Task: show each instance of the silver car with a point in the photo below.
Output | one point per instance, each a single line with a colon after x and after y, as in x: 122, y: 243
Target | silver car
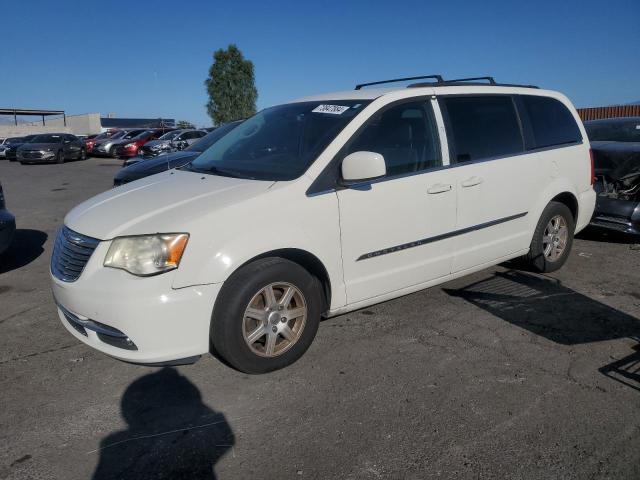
x: 171, y: 142
x: 107, y: 147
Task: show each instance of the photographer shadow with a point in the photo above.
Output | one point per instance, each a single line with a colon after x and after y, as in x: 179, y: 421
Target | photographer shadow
x: 171, y: 433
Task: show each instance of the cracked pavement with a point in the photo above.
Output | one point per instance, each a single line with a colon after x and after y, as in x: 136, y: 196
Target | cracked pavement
x: 501, y: 374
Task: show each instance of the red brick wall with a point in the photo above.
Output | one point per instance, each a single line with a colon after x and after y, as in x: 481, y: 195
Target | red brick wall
x: 595, y: 113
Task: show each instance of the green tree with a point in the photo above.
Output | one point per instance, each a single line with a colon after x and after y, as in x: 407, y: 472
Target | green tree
x: 231, y: 86
x: 184, y: 124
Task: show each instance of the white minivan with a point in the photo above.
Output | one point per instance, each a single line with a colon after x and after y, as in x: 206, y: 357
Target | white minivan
x: 319, y: 207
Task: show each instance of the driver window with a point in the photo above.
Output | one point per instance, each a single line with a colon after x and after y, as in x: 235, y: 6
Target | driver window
x: 405, y: 135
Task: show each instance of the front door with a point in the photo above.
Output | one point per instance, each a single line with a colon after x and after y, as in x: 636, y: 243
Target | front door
x: 392, y: 229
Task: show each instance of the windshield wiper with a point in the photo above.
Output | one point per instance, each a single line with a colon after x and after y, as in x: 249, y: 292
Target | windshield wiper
x: 213, y: 171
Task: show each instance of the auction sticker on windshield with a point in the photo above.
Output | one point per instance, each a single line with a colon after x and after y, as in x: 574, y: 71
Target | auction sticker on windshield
x: 333, y: 109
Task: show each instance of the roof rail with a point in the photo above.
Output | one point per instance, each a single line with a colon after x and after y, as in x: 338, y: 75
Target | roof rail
x: 437, y: 77
x: 441, y: 82
x: 491, y: 80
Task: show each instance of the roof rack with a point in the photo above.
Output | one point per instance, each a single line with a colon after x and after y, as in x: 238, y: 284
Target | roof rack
x: 441, y: 82
x: 437, y: 77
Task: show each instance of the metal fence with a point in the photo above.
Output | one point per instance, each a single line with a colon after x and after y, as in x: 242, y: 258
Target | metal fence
x: 595, y: 113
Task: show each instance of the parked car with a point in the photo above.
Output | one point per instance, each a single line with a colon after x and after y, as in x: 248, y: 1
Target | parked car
x: 131, y: 147
x: 107, y: 147
x: 171, y: 142
x: 89, y: 141
x: 52, y: 148
x: 140, y: 168
x: 7, y: 224
x: 616, y: 153
x: 6, y: 145
x: 10, y: 153
x: 319, y: 207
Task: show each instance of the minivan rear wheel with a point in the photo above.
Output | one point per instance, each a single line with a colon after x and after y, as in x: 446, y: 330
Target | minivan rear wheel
x: 552, y: 239
x: 266, y: 315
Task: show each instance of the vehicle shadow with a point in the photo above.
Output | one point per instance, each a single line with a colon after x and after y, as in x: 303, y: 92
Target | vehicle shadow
x: 27, y: 245
x: 595, y: 234
x: 545, y: 307
x: 171, y: 433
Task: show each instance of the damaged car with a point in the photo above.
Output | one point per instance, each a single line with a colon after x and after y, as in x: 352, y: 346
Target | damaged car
x: 615, y: 144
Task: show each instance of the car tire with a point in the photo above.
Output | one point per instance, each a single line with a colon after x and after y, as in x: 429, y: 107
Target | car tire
x: 552, y: 239
x: 83, y: 154
x: 266, y: 340
x: 60, y: 157
x: 113, y: 153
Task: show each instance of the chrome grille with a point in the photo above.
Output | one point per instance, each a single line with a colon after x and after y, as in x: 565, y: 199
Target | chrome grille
x: 31, y: 154
x: 71, y: 252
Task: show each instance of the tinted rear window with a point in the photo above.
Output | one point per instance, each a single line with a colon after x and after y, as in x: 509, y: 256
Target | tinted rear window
x: 551, y: 122
x: 483, y: 127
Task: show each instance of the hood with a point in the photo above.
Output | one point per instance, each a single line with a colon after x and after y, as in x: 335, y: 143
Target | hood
x: 616, y: 159
x: 616, y: 146
x: 168, y: 202
x: 40, y: 146
x: 157, y: 164
x: 154, y: 143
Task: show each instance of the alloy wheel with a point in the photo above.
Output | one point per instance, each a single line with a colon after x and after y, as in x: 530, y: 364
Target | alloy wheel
x: 274, y: 319
x: 554, y: 238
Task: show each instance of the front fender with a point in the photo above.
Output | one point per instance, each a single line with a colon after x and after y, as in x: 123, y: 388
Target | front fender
x: 273, y: 222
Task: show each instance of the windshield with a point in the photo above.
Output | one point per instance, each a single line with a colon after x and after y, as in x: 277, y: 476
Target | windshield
x: 144, y: 135
x: 278, y: 143
x: 618, y: 131
x: 13, y: 140
x: 118, y: 134
x: 47, y: 138
x: 170, y: 135
x: 29, y: 138
x: 132, y: 134
x: 211, y: 138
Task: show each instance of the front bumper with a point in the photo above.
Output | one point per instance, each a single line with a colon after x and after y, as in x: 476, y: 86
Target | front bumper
x: 617, y: 215
x: 162, y: 323
x: 47, y: 158
x: 7, y: 229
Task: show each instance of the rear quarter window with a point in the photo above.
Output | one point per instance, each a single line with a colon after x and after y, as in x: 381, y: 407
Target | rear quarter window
x: 552, y: 123
x: 483, y: 127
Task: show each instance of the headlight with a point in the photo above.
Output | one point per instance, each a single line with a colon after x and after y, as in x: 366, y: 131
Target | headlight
x: 147, y: 254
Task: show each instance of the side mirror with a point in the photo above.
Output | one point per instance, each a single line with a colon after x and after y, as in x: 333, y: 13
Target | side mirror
x: 362, y: 166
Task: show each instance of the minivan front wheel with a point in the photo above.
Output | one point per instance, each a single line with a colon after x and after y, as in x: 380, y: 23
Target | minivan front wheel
x: 266, y: 315
x: 552, y: 239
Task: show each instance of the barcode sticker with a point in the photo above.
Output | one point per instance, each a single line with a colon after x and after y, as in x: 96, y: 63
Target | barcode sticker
x: 333, y: 109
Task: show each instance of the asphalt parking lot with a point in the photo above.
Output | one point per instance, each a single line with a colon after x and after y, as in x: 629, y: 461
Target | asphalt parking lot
x: 502, y: 374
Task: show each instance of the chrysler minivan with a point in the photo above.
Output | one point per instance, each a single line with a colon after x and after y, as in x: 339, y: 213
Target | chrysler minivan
x: 319, y: 207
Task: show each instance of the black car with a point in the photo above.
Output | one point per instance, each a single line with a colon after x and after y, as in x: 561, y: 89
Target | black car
x: 52, y: 147
x: 144, y: 168
x: 615, y: 143
x: 11, y: 152
x: 7, y: 224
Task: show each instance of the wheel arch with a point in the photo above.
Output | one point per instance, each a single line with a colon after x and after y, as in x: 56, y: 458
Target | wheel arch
x: 570, y: 200
x: 306, y: 260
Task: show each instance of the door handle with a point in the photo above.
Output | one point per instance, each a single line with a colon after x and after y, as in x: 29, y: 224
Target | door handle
x: 472, y: 181
x: 439, y: 188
